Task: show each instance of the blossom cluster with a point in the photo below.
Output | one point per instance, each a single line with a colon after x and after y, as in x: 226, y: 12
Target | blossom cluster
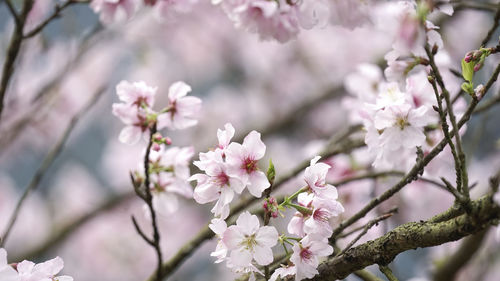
x: 318, y: 203
x: 397, y: 110
x: 168, y: 167
x: 29, y: 271
x: 280, y: 20
x: 229, y: 169
x: 137, y: 113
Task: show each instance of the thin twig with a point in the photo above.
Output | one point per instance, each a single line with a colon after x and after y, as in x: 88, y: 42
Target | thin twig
x: 12, y: 11
x: 148, y: 199
x: 493, y: 28
x: 47, y: 163
x: 344, y: 145
x: 139, y: 230
x: 55, y: 14
x: 13, y: 51
x: 416, y: 169
x: 367, y: 227
x: 460, y: 162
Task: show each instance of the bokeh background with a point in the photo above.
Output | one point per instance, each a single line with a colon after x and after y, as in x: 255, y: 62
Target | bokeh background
x: 290, y: 92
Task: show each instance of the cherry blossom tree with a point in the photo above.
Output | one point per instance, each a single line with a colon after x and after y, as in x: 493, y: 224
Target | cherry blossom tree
x: 300, y: 140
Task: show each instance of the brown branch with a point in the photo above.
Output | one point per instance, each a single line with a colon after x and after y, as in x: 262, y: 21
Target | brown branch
x: 42, y: 100
x: 493, y: 28
x: 410, y: 236
x: 148, y: 199
x: 13, y: 51
x: 12, y: 11
x: 55, y: 14
x: 47, y: 163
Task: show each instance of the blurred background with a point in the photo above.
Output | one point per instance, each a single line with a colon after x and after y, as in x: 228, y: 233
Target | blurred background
x: 291, y: 92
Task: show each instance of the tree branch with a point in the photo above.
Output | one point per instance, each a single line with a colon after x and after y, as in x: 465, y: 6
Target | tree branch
x: 13, y: 51
x: 410, y: 236
x: 55, y: 14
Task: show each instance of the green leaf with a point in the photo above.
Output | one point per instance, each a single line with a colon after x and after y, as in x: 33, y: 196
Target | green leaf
x: 467, y: 70
x: 468, y: 87
x: 271, y: 172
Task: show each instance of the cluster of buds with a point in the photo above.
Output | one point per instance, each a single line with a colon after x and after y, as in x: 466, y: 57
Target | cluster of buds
x: 271, y: 206
x: 158, y: 140
x: 477, y: 57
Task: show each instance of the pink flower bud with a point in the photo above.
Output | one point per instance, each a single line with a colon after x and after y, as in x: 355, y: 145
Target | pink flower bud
x: 476, y: 55
x: 274, y: 214
x: 265, y: 205
x: 468, y: 57
x: 156, y: 147
x: 168, y: 141
x: 477, y: 67
x: 157, y: 137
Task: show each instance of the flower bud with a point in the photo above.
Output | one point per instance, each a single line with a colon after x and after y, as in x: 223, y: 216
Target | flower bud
x: 468, y: 57
x: 157, y: 137
x: 479, y: 91
x: 476, y: 55
x: 167, y: 141
x: 477, y: 67
x: 156, y: 147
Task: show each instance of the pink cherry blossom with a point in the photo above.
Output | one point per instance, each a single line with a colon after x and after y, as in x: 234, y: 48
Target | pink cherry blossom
x: 136, y: 93
x: 219, y: 226
x: 46, y: 271
x: 217, y: 185
x: 113, y: 10
x: 283, y: 272
x: 306, y: 253
x: 181, y: 109
x: 248, y: 241
x: 138, y: 99
x: 242, y: 163
x: 315, y: 177
x: 402, y: 125
x: 323, y: 210
x: 225, y: 136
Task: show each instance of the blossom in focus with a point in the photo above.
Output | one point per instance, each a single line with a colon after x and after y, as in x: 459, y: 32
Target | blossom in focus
x: 402, y: 126
x: 137, y: 99
x: 111, y: 11
x: 216, y: 184
x: 315, y: 177
x: 46, y: 271
x: 248, y: 241
x: 306, y: 253
x: 219, y: 226
x: 180, y: 109
x: 242, y: 160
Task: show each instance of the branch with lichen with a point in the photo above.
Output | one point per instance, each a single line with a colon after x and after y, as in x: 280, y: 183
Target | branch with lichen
x: 410, y: 236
